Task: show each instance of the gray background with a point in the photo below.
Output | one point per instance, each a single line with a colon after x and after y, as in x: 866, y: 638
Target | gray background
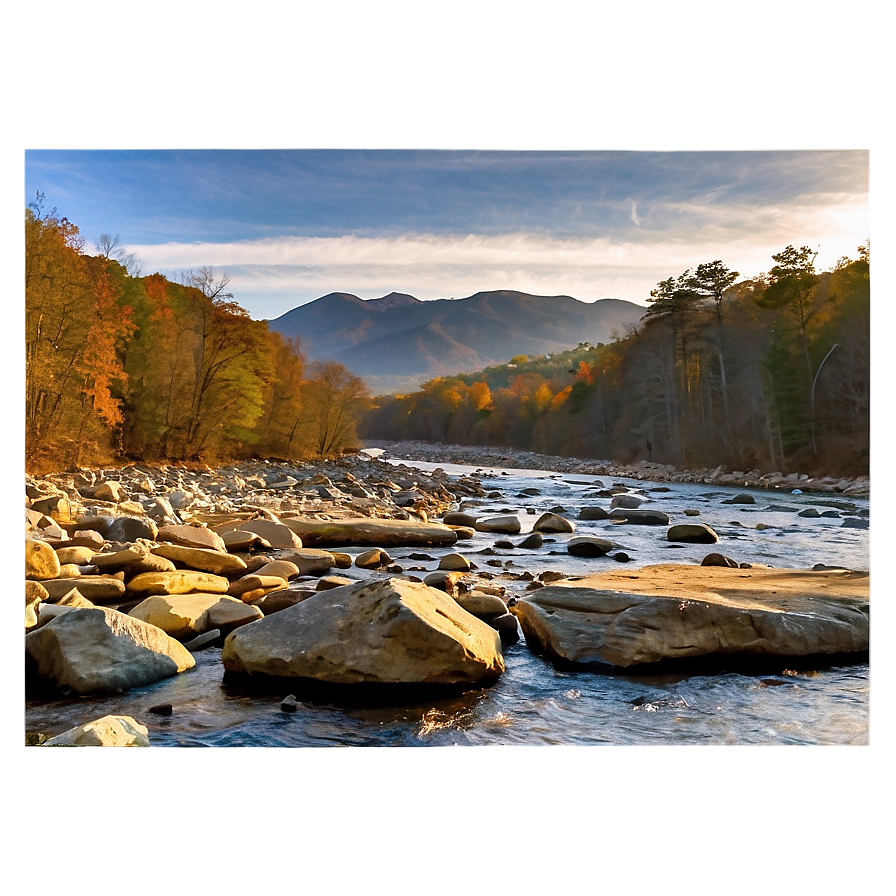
x: 455, y: 74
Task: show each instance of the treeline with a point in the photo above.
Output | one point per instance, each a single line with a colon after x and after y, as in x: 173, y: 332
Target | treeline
x: 768, y: 373
x: 123, y: 367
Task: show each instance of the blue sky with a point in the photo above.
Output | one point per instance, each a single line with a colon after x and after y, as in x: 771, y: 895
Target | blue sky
x: 287, y: 226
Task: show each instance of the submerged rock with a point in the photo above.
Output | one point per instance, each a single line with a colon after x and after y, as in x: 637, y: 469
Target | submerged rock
x: 386, y: 632
x: 677, y: 612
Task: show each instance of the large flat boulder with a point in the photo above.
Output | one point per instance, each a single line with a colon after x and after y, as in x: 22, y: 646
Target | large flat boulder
x: 99, y: 651
x: 675, y: 612
x: 387, y: 632
x: 369, y: 532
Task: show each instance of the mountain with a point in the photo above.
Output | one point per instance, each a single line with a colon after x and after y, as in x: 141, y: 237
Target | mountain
x: 398, y: 342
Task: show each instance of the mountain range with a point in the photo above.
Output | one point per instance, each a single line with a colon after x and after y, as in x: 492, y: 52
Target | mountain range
x: 398, y: 342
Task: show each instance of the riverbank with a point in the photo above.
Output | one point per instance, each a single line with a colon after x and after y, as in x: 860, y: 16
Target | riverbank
x: 511, y: 458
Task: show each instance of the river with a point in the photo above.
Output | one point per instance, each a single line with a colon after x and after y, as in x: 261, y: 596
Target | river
x: 534, y: 703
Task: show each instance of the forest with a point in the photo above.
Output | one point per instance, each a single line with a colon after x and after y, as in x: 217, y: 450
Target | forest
x: 769, y: 373
x: 123, y: 367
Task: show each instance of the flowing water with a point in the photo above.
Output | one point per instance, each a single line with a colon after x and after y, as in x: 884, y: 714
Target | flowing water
x: 534, y: 703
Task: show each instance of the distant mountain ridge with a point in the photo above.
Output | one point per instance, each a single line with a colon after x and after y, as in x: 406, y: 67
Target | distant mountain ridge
x: 398, y: 341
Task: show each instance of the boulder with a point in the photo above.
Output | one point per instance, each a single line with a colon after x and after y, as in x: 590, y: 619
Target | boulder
x: 719, y: 560
x: 98, y: 650
x: 312, y: 561
x: 97, y: 589
x: 34, y: 594
x: 248, y: 584
x: 628, y: 501
x: 588, y: 546
x: 481, y: 605
x: 177, y: 582
x: 129, y: 528
x: 671, y: 612
x: 201, y: 559
x: 552, y: 522
x: 375, y: 558
x: 277, y: 535
x: 457, y: 518
x: 740, y: 499
x: 640, y: 517
x: 593, y: 513
x: 455, y: 562
x: 109, y: 731
x: 109, y: 491
x: 509, y: 523
x: 532, y: 541
x: 692, y: 533
x: 80, y: 555
x: 131, y: 561
x: 187, y: 615
x: 41, y: 561
x: 192, y: 537
x: 369, y: 532
x: 275, y: 601
x: 284, y: 569
x: 237, y: 540
x: 387, y: 632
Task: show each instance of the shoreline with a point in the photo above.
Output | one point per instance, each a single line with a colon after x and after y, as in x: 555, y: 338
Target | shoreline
x: 512, y: 458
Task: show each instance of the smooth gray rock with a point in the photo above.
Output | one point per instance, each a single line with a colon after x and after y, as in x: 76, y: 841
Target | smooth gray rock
x: 99, y: 651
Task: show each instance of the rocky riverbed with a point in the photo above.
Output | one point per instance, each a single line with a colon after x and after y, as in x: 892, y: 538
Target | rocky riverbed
x: 511, y: 458
x: 371, y: 573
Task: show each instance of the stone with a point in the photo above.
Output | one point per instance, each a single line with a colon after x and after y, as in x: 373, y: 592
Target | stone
x: 740, y: 499
x: 312, y: 561
x: 187, y: 615
x: 552, y: 522
x: 34, y: 594
x: 237, y: 540
x: 692, y: 533
x: 457, y: 518
x: 676, y: 612
x: 88, y: 538
x: 77, y: 554
x: 375, y: 558
x: 455, y: 562
x: 131, y: 561
x: 130, y: 528
x: 109, y: 491
x: 202, y: 641
x: 177, y: 582
x: 201, y: 559
x: 370, y: 532
x: 593, y: 513
x: 640, y: 517
x: 508, y: 523
x: 719, y: 560
x: 507, y: 628
x: 284, y: 569
x: 853, y: 523
x: 98, y: 650
x: 97, y: 589
x: 277, y: 535
x: 325, y: 583
x: 481, y: 605
x: 533, y: 541
x: 251, y: 583
x: 192, y: 537
x: 628, y: 501
x: 275, y: 601
x: 386, y: 632
x: 41, y: 561
x: 109, y: 731
x: 588, y: 546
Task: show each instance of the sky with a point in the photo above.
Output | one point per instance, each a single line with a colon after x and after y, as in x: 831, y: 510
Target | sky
x: 288, y: 226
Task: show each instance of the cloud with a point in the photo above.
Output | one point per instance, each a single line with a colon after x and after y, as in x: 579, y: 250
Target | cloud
x: 269, y: 276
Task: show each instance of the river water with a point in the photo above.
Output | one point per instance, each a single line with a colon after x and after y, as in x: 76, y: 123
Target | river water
x: 534, y: 703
